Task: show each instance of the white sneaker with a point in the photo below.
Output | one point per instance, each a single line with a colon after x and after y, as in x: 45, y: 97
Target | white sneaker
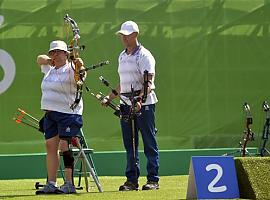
x: 49, y: 189
x: 68, y: 188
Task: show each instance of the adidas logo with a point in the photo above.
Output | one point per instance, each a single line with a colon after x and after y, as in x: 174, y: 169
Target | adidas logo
x: 68, y: 129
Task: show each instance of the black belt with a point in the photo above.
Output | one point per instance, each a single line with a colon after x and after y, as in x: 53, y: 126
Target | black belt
x: 128, y: 94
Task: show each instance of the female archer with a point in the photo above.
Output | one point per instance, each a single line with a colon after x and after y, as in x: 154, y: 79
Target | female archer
x: 61, y: 123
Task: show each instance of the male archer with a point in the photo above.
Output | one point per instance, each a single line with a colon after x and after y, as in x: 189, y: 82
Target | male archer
x: 133, y: 61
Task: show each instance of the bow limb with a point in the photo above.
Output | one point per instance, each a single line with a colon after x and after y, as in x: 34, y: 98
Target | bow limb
x: 74, y: 48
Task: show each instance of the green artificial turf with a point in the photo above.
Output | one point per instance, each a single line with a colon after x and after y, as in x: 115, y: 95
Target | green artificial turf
x: 171, y: 187
x: 253, y: 178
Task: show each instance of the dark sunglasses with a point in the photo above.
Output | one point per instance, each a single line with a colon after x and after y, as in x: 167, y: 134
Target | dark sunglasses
x: 55, y: 51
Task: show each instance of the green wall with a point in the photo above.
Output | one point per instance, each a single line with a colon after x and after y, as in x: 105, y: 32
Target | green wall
x: 212, y: 56
x: 109, y: 163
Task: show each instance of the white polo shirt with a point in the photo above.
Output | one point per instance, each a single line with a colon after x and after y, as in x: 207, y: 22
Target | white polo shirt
x: 131, y: 70
x: 59, y: 89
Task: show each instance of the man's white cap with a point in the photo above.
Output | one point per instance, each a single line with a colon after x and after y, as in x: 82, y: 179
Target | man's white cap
x: 58, y: 44
x: 128, y: 27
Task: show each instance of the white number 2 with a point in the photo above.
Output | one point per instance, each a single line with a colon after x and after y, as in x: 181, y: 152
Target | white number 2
x: 211, y: 186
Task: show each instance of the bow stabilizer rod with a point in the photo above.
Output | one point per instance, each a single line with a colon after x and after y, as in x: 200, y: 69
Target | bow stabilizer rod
x: 95, y: 66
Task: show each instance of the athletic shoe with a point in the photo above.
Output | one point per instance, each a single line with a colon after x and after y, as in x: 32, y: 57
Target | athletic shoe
x: 68, y: 188
x: 150, y: 185
x: 129, y: 186
x: 49, y: 189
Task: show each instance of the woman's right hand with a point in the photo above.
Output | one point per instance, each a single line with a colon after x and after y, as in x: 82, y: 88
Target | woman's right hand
x: 44, y: 60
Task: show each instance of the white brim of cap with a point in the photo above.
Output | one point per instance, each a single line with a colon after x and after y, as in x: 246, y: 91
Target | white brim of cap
x: 125, y: 32
x: 57, y: 48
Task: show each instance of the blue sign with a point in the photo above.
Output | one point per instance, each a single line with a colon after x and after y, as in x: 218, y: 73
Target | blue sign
x: 212, y: 177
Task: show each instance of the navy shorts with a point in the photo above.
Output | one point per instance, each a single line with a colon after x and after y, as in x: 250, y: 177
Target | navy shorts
x: 62, y: 124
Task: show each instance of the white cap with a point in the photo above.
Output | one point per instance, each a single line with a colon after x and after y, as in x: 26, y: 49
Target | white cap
x: 128, y: 27
x: 58, y: 44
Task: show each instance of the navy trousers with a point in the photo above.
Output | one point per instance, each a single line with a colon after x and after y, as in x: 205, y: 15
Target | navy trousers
x: 145, y: 123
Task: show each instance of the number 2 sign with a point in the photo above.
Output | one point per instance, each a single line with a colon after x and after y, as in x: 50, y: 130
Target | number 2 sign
x: 212, y: 177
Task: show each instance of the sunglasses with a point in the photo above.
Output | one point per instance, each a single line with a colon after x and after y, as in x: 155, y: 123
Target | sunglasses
x: 55, y: 51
